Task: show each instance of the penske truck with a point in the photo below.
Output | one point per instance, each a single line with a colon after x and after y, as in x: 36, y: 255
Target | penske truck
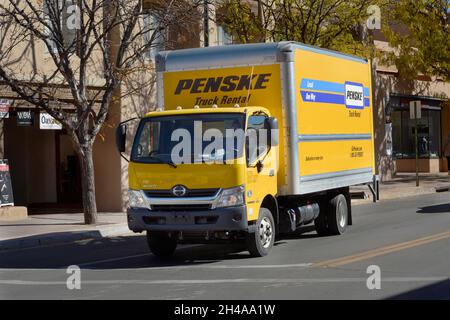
x: 249, y: 142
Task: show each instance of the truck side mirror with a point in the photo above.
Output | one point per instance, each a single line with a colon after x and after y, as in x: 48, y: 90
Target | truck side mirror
x: 121, y: 137
x: 274, y: 132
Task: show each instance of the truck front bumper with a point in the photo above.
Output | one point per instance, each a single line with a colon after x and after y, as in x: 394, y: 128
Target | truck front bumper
x: 221, y: 219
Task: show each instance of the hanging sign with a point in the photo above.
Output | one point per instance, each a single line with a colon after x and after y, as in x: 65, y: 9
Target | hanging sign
x: 4, y: 108
x: 415, y: 109
x: 25, y: 118
x: 47, y: 122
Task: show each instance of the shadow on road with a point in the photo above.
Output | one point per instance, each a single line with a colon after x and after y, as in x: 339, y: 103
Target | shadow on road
x: 439, y: 208
x: 125, y: 252
x: 439, y: 290
x: 302, y: 233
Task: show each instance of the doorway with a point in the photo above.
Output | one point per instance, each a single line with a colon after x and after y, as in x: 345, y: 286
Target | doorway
x: 68, y: 170
x: 45, y: 170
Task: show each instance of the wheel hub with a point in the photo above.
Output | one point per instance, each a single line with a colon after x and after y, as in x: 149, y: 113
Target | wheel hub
x: 342, y: 216
x: 265, y: 232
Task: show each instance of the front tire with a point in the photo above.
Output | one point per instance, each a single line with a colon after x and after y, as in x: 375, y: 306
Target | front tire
x: 261, y: 241
x: 160, y: 244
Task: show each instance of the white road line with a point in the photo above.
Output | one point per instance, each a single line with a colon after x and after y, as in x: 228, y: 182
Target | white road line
x: 192, y: 266
x: 113, y: 259
x: 216, y: 281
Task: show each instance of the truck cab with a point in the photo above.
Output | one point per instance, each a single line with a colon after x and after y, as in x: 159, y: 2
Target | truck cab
x: 203, y: 175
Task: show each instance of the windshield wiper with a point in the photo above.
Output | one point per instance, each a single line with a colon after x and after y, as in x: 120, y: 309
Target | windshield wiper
x: 169, y: 162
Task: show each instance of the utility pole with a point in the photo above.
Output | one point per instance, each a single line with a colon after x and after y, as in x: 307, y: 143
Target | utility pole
x: 415, y: 112
x: 206, y: 23
x: 417, y: 145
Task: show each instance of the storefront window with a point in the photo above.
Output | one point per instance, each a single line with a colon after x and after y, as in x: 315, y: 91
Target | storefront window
x: 429, y: 131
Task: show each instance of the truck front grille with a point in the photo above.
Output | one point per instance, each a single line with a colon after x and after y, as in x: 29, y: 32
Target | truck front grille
x: 184, y: 207
x: 189, y: 193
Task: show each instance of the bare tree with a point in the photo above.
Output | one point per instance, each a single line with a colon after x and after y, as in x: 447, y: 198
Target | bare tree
x: 94, y: 46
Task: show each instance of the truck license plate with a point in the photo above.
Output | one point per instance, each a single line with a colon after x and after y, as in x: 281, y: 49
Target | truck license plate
x: 181, y: 219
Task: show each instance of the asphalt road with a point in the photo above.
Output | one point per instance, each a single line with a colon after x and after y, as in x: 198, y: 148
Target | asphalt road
x: 408, y: 239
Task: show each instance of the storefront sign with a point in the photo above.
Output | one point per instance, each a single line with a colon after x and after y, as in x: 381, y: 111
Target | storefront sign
x: 415, y: 110
x: 25, y: 118
x: 388, y: 131
x: 6, y: 192
x: 4, y: 109
x: 47, y: 122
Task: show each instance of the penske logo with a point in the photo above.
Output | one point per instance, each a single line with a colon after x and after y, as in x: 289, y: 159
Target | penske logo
x: 354, y: 95
x: 223, y: 84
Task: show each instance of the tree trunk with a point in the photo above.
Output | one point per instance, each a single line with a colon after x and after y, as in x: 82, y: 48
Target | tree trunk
x: 88, y: 184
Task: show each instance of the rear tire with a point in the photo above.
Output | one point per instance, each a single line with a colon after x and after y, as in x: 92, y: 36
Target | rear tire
x: 160, y: 244
x: 337, y: 216
x: 261, y: 241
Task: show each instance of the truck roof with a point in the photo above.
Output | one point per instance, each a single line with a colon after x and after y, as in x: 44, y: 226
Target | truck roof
x: 182, y: 111
x: 238, y: 55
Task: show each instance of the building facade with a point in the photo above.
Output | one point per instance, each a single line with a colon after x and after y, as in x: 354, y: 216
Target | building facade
x: 45, y: 169
x: 394, y: 128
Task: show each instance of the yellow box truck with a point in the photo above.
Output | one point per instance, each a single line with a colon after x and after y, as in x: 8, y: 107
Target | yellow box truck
x: 249, y: 142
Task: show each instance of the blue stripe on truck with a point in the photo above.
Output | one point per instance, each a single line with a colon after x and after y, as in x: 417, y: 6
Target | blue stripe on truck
x: 319, y: 85
x: 320, y: 91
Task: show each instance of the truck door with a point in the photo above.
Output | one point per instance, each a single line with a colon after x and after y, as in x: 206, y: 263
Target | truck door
x: 261, y: 164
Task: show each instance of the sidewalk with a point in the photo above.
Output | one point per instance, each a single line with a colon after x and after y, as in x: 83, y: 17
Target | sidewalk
x: 48, y: 229
x: 404, y: 185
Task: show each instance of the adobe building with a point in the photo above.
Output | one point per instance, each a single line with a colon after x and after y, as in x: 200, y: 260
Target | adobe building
x: 394, y: 129
x: 44, y: 167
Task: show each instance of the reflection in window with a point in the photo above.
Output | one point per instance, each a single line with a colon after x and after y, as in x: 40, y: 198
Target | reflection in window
x: 257, y: 137
x: 429, y: 132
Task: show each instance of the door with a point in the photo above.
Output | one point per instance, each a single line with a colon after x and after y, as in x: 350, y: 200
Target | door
x: 68, y: 177
x: 261, y: 160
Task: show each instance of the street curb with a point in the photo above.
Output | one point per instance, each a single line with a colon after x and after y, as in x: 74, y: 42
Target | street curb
x: 427, y: 191
x: 64, y: 237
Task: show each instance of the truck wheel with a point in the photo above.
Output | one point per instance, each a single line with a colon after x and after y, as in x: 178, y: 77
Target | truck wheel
x: 320, y: 223
x: 338, y: 215
x: 261, y: 241
x: 160, y: 244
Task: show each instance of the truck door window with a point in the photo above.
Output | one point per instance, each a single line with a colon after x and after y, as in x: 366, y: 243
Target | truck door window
x: 148, y: 141
x: 257, y: 138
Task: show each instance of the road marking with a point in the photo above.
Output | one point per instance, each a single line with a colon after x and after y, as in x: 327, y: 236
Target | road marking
x: 382, y: 251
x: 192, y: 266
x: 128, y: 257
x: 268, y: 266
x: 113, y: 259
x: 216, y: 281
x: 199, y: 265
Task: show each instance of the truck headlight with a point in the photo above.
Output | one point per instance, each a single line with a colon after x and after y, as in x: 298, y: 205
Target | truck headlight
x: 137, y: 199
x: 230, y: 197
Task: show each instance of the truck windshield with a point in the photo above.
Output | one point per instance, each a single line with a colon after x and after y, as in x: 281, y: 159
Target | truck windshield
x: 191, y: 138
